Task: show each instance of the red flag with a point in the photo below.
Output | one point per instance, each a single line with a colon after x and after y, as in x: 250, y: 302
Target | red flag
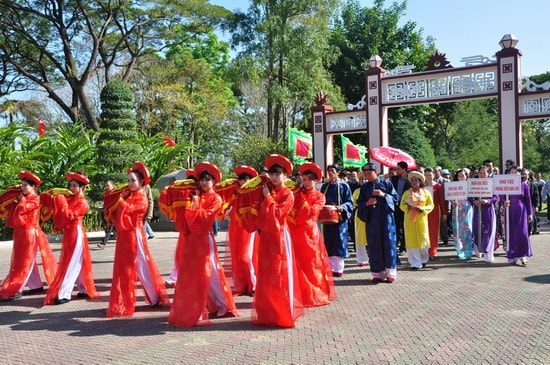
x: 302, y: 148
x: 352, y: 152
x: 41, y: 127
x: 301, y: 143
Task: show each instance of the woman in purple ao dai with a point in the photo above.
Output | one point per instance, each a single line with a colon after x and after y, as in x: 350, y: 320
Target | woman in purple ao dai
x: 520, y: 214
x: 485, y: 222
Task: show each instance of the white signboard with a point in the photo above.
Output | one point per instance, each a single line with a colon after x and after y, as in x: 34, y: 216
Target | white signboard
x: 480, y: 188
x: 456, y: 190
x: 507, y: 184
x: 346, y: 122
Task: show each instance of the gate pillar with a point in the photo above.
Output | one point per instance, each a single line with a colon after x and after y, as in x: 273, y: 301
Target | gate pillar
x: 323, y: 148
x: 509, y: 87
x: 377, y: 113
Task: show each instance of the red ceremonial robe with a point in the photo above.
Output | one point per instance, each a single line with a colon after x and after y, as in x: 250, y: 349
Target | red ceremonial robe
x: 312, y: 264
x: 28, y: 237
x: 130, y: 252
x: 434, y: 217
x: 68, y: 215
x: 198, y: 284
x: 243, y: 256
x: 277, y: 299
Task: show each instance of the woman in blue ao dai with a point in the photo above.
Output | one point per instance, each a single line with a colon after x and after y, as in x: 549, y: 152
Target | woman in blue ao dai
x: 463, y: 213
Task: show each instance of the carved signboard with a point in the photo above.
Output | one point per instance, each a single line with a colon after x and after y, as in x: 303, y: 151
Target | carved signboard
x: 343, y: 122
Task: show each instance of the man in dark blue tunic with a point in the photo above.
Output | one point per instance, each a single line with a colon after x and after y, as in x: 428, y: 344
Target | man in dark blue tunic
x: 338, y: 194
x: 376, y: 205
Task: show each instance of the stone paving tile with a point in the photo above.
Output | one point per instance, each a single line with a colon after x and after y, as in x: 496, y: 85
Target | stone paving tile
x: 451, y: 312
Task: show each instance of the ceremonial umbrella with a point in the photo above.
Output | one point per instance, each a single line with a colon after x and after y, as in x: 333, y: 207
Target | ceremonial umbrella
x: 390, y: 156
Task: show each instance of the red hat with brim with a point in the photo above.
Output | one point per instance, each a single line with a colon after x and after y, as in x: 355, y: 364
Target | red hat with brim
x: 190, y: 173
x: 30, y: 176
x: 312, y: 167
x: 280, y: 160
x: 77, y: 177
x: 246, y: 170
x: 210, y: 168
x: 143, y: 170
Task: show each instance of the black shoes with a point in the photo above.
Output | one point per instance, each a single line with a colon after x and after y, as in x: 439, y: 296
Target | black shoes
x: 33, y: 291
x: 83, y: 295
x: 62, y: 301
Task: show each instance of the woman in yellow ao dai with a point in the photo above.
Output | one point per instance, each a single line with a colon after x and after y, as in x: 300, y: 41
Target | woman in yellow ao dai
x: 417, y: 203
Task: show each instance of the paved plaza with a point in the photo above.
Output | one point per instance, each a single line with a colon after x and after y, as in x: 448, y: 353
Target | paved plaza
x: 451, y: 312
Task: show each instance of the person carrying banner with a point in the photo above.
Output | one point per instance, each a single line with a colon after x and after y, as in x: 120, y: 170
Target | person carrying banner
x: 485, y: 222
x: 521, y: 214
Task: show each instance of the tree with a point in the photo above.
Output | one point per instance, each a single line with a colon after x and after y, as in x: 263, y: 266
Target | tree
x: 473, y: 133
x: 360, y: 33
x: 189, y: 101
x: 407, y: 136
x: 161, y: 158
x: 25, y: 111
x: 536, y: 136
x: 117, y: 149
x: 57, y: 45
x: 253, y: 150
x: 284, y: 51
x: 12, y: 159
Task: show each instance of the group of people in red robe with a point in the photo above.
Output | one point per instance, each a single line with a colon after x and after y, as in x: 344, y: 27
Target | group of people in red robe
x: 23, y: 207
x: 276, y: 252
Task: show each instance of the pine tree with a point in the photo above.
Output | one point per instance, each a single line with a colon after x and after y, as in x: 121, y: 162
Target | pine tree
x: 117, y: 149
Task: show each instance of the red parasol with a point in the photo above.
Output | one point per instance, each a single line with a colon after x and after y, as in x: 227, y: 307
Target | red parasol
x: 390, y: 156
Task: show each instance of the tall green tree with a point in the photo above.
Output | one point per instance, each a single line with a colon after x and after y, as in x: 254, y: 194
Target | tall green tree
x: 473, y: 133
x: 59, y: 46
x: 185, y: 99
x: 362, y: 32
x: 536, y: 136
x: 410, y: 138
x: 283, y: 50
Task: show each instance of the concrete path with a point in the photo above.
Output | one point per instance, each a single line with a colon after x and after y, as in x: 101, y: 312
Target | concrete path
x: 451, y: 312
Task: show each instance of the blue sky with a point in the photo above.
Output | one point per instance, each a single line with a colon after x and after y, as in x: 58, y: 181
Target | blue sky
x: 463, y: 28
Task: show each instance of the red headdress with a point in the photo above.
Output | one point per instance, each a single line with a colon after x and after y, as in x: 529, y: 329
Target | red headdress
x: 143, y: 170
x: 30, y: 176
x: 313, y: 167
x: 77, y: 176
x: 280, y: 160
x: 246, y: 170
x: 210, y: 168
x: 190, y: 174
